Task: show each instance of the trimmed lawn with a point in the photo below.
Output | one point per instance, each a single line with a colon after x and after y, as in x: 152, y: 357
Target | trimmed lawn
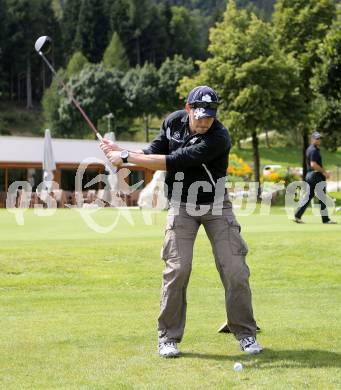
x: 78, y: 309
x: 287, y: 156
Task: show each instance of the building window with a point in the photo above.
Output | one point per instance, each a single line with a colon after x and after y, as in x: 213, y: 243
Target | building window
x: 136, y: 176
x: 2, y: 180
x: 90, y: 174
x: 34, y: 177
x: 16, y: 174
x: 68, y: 177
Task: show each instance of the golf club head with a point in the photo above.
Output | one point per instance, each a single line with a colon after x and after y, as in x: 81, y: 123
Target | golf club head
x: 43, y: 44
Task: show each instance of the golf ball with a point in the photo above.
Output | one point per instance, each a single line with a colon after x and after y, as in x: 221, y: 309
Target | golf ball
x: 238, y: 367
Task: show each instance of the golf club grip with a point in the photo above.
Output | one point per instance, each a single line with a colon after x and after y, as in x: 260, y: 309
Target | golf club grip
x: 99, y: 137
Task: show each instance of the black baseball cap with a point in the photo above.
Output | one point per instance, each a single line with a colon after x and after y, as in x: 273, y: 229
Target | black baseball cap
x: 204, y: 101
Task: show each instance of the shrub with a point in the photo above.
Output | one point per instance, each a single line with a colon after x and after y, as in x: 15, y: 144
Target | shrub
x: 238, y: 168
x: 4, y: 127
x: 281, y: 177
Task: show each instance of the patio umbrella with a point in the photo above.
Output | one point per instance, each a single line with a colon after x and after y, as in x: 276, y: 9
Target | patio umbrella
x: 48, y: 161
x: 112, y: 177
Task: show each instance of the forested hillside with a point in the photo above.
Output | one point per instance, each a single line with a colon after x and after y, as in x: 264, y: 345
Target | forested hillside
x: 211, y: 6
x: 128, y: 58
x: 149, y: 30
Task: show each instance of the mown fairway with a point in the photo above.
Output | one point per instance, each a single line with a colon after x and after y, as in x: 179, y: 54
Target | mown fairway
x: 78, y: 309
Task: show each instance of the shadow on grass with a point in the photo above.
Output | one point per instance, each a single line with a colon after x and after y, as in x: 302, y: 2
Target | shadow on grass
x: 305, y: 358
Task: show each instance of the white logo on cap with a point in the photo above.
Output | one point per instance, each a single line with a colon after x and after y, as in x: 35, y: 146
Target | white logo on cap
x: 199, y: 113
x: 207, y: 98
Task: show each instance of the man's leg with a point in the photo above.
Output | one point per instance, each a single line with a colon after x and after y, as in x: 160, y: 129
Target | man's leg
x: 321, y: 195
x: 229, y: 250
x: 177, y: 252
x: 305, y: 201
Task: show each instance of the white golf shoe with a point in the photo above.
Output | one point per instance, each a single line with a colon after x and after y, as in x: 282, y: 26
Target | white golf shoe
x: 250, y: 345
x: 168, y: 349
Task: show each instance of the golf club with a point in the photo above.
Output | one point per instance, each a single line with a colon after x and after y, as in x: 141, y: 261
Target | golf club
x: 43, y: 46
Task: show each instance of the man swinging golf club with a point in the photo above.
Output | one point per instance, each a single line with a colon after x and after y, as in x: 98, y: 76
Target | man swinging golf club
x: 193, y: 148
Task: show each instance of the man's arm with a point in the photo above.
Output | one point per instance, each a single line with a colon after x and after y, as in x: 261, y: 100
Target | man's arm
x: 109, y: 146
x: 154, y: 162
x: 190, y: 156
x: 318, y: 168
x: 315, y: 157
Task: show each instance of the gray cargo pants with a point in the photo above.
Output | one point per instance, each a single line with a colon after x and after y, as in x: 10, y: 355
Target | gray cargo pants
x: 229, y: 250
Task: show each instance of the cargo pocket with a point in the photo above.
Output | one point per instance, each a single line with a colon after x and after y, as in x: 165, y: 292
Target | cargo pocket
x: 237, y: 244
x: 169, y: 248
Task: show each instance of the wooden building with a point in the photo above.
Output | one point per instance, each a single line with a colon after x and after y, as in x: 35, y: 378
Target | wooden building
x: 21, y: 160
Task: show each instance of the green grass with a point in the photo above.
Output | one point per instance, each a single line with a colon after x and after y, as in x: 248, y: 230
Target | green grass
x: 337, y: 197
x: 78, y: 309
x: 287, y: 156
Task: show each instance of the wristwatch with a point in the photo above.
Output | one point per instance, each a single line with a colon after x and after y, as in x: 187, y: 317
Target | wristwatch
x: 124, y: 155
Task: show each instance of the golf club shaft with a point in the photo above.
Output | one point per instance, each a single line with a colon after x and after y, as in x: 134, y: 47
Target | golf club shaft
x: 75, y: 102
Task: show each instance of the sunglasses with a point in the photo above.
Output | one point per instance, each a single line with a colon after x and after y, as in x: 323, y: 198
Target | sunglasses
x: 211, y: 105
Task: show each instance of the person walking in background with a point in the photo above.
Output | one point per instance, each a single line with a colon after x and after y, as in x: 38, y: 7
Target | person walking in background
x: 315, y: 175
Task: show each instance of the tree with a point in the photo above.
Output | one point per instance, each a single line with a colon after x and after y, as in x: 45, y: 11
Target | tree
x: 3, y: 33
x: 256, y: 83
x: 140, y: 17
x: 156, y: 39
x: 170, y: 73
x: 119, y: 21
x: 76, y: 64
x: 26, y: 21
x: 51, y: 102
x: 115, y: 55
x: 326, y: 82
x: 300, y: 27
x: 152, y: 30
x: 99, y: 92
x: 141, y: 86
x: 57, y: 6
x: 69, y: 25
x: 91, y: 36
x: 206, y: 6
x: 262, y: 8
x: 186, y: 34
x: 329, y: 122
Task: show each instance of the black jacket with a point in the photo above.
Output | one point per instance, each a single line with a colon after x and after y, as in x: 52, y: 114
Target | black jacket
x: 201, y: 157
x: 313, y: 154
